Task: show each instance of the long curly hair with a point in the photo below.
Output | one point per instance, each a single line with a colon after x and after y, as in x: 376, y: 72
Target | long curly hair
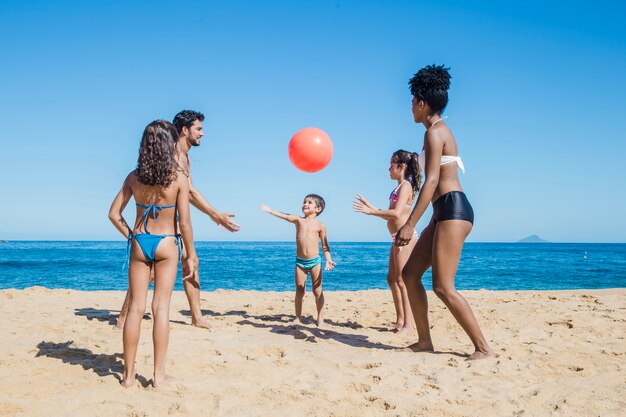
x: 431, y: 85
x: 413, y: 172
x: 156, y: 164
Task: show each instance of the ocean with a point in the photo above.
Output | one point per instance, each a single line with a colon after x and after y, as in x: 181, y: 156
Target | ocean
x: 268, y: 266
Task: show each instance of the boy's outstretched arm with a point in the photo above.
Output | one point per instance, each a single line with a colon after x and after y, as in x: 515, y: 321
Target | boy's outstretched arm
x: 330, y: 264
x: 292, y: 218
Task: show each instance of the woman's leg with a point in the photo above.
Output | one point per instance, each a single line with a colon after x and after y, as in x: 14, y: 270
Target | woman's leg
x: 419, y: 261
x: 396, y: 295
x: 447, y: 246
x: 400, y: 258
x: 166, y: 268
x: 138, y: 280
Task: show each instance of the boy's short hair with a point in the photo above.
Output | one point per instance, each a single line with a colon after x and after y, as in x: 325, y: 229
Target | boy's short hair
x: 319, y: 201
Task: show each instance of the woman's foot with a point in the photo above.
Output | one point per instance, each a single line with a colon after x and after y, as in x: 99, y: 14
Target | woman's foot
x: 161, y: 381
x: 419, y: 347
x: 128, y: 381
x: 481, y: 354
x: 201, y: 322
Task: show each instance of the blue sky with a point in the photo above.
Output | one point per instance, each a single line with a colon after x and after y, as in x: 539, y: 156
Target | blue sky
x: 536, y: 104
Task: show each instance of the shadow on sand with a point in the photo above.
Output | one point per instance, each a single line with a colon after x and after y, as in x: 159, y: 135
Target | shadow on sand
x: 104, y: 315
x: 284, y: 326
x: 102, y: 364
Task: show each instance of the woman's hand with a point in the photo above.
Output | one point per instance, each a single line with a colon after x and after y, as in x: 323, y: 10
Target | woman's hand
x: 404, y: 235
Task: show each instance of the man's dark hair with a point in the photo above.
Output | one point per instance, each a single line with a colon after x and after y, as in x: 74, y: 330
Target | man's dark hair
x: 431, y: 85
x: 319, y: 201
x: 186, y: 118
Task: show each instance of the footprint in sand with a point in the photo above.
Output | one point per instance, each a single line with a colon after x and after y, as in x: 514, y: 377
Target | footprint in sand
x: 381, y: 403
x: 274, y: 352
x: 372, y: 365
x: 360, y: 387
x: 566, y: 323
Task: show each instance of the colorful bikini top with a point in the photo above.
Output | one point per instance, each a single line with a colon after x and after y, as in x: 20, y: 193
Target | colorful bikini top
x: 151, y: 208
x: 393, y: 197
x: 445, y: 159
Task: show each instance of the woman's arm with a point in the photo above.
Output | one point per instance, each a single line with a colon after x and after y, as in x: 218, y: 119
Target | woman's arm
x: 184, y: 223
x: 117, y: 207
x: 292, y: 218
x: 433, y: 146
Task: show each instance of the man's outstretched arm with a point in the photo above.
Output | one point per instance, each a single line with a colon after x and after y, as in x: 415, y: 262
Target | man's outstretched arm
x: 198, y: 201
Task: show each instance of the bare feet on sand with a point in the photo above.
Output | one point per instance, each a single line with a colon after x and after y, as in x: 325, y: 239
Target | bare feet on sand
x: 419, y: 347
x: 297, y: 321
x: 405, y: 330
x: 128, y: 382
x: 481, y: 354
x: 202, y: 323
x: 162, y: 381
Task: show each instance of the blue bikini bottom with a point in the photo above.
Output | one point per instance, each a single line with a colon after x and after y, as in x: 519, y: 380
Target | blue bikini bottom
x: 149, y: 244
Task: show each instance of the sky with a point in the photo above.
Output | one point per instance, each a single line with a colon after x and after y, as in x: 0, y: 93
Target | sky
x: 536, y: 104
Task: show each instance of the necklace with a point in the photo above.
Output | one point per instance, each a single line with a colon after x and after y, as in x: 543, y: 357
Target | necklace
x: 438, y: 120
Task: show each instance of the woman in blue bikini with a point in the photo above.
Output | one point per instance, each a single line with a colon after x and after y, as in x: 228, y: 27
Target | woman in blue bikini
x: 441, y: 242
x: 161, y: 194
x: 403, y: 168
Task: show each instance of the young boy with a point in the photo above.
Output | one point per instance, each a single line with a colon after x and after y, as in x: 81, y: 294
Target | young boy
x: 309, y: 232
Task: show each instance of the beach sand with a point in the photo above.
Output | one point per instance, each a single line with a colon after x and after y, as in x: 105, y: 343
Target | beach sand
x: 561, y: 353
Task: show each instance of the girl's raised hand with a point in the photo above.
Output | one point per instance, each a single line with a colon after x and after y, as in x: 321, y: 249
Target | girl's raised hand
x: 361, y: 205
x: 264, y: 208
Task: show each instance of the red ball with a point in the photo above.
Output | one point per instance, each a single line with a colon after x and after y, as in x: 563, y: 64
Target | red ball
x: 310, y: 149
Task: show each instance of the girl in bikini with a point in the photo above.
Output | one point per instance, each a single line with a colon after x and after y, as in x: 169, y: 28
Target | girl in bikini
x: 404, y: 169
x: 162, y: 198
x: 441, y: 242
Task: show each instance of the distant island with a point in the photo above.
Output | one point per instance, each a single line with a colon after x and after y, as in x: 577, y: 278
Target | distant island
x: 532, y: 239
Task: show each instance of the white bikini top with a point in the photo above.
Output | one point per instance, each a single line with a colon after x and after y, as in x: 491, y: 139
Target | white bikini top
x: 445, y: 159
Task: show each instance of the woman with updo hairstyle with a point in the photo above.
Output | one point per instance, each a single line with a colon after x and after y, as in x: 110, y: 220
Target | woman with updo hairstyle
x: 441, y: 242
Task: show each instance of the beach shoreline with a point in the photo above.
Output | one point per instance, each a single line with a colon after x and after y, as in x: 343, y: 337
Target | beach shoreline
x: 560, y: 353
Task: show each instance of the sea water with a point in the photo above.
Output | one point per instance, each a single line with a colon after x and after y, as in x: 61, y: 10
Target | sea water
x: 269, y: 266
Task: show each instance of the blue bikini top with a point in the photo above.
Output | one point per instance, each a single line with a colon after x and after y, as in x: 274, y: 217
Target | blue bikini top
x: 151, y: 208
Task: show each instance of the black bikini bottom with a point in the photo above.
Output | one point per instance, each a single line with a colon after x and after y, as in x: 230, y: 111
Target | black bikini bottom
x: 453, y: 206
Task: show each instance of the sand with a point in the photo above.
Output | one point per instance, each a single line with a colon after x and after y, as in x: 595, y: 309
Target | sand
x: 561, y: 353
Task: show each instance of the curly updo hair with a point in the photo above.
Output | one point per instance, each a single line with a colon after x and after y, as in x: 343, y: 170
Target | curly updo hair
x: 431, y: 85
x: 413, y: 172
x: 156, y: 164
